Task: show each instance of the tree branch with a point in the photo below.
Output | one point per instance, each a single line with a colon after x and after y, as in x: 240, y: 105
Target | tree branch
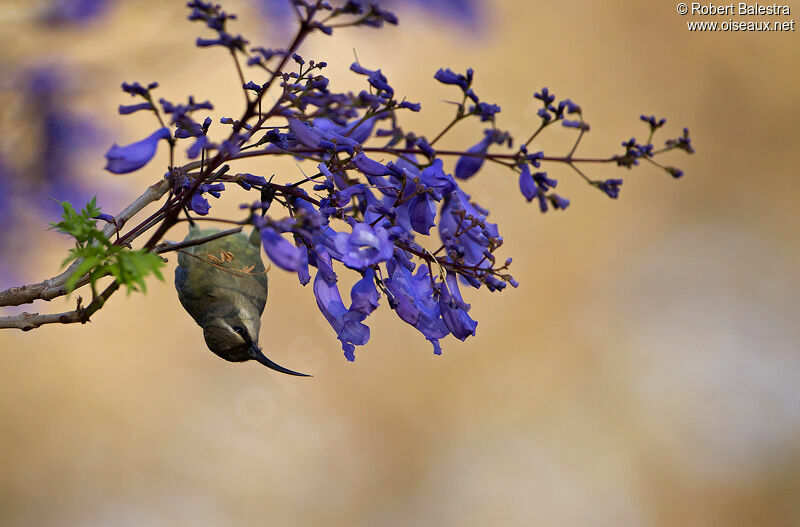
x: 54, y: 287
x: 29, y: 321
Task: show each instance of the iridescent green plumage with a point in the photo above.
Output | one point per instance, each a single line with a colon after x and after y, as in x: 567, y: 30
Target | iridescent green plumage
x: 223, y: 285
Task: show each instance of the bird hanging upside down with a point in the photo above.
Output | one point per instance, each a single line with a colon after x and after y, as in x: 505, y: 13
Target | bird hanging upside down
x: 223, y: 285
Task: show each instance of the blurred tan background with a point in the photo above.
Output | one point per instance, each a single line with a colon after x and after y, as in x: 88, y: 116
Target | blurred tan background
x: 645, y: 372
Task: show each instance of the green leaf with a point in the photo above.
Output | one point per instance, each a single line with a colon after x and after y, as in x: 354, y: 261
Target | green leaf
x: 85, y: 266
x: 98, y: 256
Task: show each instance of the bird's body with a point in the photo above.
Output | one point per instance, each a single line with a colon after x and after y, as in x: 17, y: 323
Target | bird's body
x: 223, y: 285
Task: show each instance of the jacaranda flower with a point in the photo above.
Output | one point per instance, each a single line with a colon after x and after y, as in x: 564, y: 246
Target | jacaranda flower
x: 125, y: 159
x: 283, y: 253
x: 347, y: 324
x: 455, y: 310
x: 364, y: 247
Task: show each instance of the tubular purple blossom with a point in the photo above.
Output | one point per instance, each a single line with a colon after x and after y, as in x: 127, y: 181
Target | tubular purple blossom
x: 280, y: 250
x: 347, y: 324
x: 526, y: 184
x: 125, y: 159
x: 455, y: 310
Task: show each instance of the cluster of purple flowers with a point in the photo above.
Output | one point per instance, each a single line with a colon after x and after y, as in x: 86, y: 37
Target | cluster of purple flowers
x: 381, y: 201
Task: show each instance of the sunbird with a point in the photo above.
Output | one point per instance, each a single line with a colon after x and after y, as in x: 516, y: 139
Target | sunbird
x: 223, y: 286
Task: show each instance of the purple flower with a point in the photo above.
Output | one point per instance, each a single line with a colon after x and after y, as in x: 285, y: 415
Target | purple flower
x: 422, y: 212
x: 304, y: 133
x: 545, y: 96
x: 199, y: 204
x: 455, y: 310
x: 134, y: 88
x: 486, y: 111
x: 434, y: 177
x: 364, y: 295
x: 357, y: 131
x: 683, y: 142
x: 413, y: 106
x: 364, y: 247
x: 75, y: 11
x: 674, y: 172
x: 131, y: 108
x: 343, y: 197
x: 558, y: 202
x: 375, y: 78
x: 476, y: 234
x: 469, y: 165
x: 526, y: 184
x: 412, y: 298
x: 280, y: 250
x: 610, y: 187
x: 347, y: 324
x: 575, y: 124
x: 197, y: 147
x: 108, y: 218
x: 369, y: 166
x: 448, y: 76
x: 653, y: 122
x: 125, y: 159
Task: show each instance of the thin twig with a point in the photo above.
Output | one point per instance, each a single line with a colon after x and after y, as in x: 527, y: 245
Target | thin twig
x: 167, y: 247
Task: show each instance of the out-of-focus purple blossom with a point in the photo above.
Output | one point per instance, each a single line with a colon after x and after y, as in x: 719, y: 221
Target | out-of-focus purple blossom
x: 633, y: 152
x: 108, y: 218
x: 485, y: 111
x: 131, y: 108
x: 375, y: 78
x: 674, y: 172
x: 580, y: 125
x: 558, y: 202
x: 63, y: 135
x: 448, y: 76
x: 545, y: 96
x: 610, y: 187
x: 68, y: 12
x: 468, y: 13
x: 654, y: 123
x: 682, y: 143
x: 465, y: 13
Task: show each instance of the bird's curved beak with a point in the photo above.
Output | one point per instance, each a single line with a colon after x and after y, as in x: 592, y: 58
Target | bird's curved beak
x: 258, y: 355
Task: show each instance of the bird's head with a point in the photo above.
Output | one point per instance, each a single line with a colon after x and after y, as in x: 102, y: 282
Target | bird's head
x: 234, y: 337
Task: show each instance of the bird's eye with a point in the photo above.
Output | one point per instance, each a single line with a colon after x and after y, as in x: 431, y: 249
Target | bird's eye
x: 239, y: 330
